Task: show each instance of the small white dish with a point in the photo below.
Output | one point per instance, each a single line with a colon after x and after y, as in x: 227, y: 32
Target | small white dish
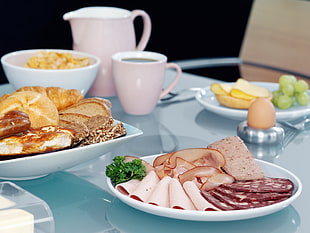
x: 270, y: 169
x: 35, y: 166
x: 208, y: 100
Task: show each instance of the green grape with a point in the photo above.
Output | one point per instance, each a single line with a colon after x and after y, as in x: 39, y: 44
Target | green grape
x: 287, y: 89
x: 303, y: 98
x: 301, y: 86
x: 285, y: 102
x: 287, y: 79
x: 291, y: 92
x: 275, y: 97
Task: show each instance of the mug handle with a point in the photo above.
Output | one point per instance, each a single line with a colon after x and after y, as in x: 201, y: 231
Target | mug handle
x: 176, y: 80
x: 147, y: 27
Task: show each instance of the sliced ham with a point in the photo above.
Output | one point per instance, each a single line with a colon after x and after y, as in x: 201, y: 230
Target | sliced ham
x: 216, y: 180
x: 128, y: 187
x: 160, y: 195
x: 198, y: 200
x: 177, y: 196
x: 145, y: 187
x: 198, y: 173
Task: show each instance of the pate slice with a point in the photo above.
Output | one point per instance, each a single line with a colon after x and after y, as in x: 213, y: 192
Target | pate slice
x: 239, y: 160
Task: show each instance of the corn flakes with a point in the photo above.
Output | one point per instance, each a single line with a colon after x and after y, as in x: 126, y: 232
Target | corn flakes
x: 55, y: 60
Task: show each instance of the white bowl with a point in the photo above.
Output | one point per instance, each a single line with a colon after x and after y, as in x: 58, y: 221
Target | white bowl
x: 76, y: 78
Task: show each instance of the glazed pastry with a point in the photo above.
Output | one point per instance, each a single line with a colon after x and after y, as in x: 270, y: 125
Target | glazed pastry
x: 13, y: 122
x: 37, y: 140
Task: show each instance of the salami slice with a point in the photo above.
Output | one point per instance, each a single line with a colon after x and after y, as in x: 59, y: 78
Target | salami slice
x: 240, y: 205
x: 262, y: 185
x: 251, y: 196
x: 216, y: 202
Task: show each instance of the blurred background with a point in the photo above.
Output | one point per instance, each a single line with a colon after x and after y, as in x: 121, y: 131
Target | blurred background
x: 180, y: 30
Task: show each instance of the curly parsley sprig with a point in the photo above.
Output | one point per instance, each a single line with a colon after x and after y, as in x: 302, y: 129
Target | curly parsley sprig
x: 120, y: 172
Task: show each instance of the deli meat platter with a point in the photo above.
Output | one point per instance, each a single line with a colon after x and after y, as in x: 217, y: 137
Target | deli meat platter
x: 270, y: 170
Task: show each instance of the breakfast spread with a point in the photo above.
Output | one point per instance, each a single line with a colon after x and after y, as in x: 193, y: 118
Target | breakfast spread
x: 55, y: 60
x: 224, y: 176
x: 43, y: 119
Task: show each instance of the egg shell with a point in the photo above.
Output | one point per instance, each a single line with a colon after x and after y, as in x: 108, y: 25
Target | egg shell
x: 261, y: 114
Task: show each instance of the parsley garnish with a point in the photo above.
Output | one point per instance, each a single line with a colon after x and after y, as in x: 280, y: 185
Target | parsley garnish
x: 120, y: 172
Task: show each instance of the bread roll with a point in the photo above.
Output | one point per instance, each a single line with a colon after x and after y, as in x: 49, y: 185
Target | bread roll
x: 40, y: 109
x: 61, y: 97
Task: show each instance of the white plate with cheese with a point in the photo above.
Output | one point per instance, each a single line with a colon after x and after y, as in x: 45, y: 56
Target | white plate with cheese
x: 208, y: 100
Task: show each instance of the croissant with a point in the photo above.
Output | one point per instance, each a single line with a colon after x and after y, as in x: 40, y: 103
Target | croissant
x: 61, y: 97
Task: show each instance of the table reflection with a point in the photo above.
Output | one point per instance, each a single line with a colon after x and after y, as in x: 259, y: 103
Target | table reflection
x: 129, y: 220
x: 75, y: 203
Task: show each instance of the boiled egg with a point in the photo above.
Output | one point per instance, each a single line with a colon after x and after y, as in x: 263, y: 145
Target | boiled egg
x: 261, y: 114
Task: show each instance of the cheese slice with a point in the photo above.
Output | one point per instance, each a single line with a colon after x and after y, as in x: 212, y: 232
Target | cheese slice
x: 16, y: 221
x: 6, y: 203
x: 251, y: 89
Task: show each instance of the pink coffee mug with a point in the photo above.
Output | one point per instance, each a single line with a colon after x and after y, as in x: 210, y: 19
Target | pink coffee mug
x: 139, y: 78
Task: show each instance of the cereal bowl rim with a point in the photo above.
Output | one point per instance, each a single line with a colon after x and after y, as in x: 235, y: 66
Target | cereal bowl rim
x: 32, y: 52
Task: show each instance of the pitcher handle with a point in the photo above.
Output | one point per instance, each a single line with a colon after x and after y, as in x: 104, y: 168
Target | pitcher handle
x: 176, y: 80
x: 147, y: 27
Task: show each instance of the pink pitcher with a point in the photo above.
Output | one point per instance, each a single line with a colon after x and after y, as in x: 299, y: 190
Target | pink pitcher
x: 103, y: 31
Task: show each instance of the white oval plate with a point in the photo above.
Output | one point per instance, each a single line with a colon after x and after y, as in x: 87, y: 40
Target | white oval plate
x: 270, y: 169
x: 42, y: 164
x: 208, y: 100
